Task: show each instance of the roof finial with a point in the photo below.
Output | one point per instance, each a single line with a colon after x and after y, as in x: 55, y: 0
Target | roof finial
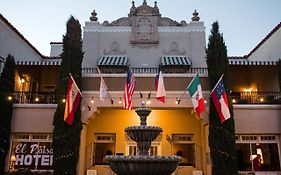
x: 144, y: 2
x: 195, y: 16
x: 94, y: 16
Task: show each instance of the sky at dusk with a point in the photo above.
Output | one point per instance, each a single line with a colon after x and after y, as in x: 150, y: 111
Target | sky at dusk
x: 244, y: 23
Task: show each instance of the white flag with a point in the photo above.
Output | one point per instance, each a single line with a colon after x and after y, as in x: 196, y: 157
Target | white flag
x: 103, y: 90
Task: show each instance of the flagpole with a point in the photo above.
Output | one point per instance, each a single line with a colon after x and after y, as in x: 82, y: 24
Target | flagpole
x: 75, y: 83
x: 191, y: 82
x: 104, y: 82
x: 187, y: 87
x: 217, y: 83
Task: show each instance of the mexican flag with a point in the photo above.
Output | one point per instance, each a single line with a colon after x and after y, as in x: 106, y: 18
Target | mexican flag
x: 195, y: 91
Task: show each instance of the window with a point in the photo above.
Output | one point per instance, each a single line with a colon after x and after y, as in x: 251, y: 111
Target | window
x: 104, y: 144
x: 249, y: 146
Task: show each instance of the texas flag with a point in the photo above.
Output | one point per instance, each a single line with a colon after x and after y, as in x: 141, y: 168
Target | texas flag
x: 159, y: 86
x: 220, y: 101
x: 72, y: 101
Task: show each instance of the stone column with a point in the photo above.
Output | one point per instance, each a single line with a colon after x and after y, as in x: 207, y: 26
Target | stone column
x: 82, y: 151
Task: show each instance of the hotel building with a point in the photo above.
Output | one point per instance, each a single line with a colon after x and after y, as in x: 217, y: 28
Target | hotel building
x: 143, y: 39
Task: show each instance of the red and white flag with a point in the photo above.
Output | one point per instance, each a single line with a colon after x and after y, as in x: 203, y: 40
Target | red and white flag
x: 72, y: 101
x: 129, y: 89
x: 159, y: 86
x: 220, y: 101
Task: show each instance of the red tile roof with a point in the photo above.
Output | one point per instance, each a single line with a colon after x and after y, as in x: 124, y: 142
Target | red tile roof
x: 19, y: 34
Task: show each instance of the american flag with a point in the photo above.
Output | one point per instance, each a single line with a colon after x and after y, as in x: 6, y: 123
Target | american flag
x: 129, y: 89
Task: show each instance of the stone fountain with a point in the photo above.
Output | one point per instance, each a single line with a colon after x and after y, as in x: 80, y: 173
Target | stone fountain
x: 143, y: 163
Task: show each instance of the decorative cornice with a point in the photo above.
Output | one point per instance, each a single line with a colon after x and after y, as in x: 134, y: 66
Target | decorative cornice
x: 127, y: 29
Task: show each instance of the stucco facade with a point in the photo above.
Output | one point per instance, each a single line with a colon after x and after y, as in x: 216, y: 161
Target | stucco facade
x: 143, y: 40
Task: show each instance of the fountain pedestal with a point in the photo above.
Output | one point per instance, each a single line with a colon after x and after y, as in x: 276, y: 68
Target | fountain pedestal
x: 143, y: 164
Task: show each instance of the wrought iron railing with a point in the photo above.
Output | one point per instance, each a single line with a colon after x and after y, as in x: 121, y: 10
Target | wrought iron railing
x: 146, y: 70
x: 237, y: 97
x: 35, y: 97
x: 256, y: 97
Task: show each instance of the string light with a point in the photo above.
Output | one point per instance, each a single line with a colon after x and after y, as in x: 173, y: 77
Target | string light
x: 37, y: 99
x: 10, y: 98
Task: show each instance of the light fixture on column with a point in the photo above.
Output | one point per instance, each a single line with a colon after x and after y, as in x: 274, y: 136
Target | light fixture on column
x: 92, y: 100
x: 120, y: 101
x: 149, y: 95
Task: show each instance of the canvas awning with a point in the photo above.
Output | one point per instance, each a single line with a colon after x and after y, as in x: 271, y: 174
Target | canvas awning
x: 39, y: 63
x: 175, y: 61
x: 113, y: 61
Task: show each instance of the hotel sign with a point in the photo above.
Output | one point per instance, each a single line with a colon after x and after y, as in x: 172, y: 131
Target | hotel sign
x: 33, y: 155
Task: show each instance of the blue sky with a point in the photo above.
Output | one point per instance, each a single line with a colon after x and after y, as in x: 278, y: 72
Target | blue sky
x: 244, y: 23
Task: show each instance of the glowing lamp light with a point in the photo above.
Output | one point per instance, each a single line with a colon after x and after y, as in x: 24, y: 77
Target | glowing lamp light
x: 148, y: 102
x: 233, y: 101
x: 92, y: 100
x: 63, y: 100
x: 37, y: 99
x: 205, y: 101
x: 10, y: 98
x: 261, y: 99
x: 248, y: 90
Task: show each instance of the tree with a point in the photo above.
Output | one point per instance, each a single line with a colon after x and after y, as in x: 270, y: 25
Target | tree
x: 66, y: 138
x: 7, y: 84
x: 221, y: 136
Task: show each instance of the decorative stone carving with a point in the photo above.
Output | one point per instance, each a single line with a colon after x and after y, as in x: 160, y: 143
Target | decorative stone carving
x: 114, y: 50
x: 145, y: 26
x: 174, y: 50
x: 124, y: 21
x: 164, y: 21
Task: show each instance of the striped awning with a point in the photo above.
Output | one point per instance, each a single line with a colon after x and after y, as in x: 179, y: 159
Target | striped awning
x: 175, y: 61
x: 248, y: 62
x: 113, y: 60
x: 39, y: 63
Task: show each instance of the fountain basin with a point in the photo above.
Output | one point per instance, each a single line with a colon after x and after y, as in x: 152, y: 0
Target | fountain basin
x: 143, y: 165
x: 143, y: 133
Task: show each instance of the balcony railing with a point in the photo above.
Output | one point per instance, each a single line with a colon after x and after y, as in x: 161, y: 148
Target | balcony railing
x: 35, y: 97
x: 146, y: 70
x: 256, y: 97
x: 237, y: 97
